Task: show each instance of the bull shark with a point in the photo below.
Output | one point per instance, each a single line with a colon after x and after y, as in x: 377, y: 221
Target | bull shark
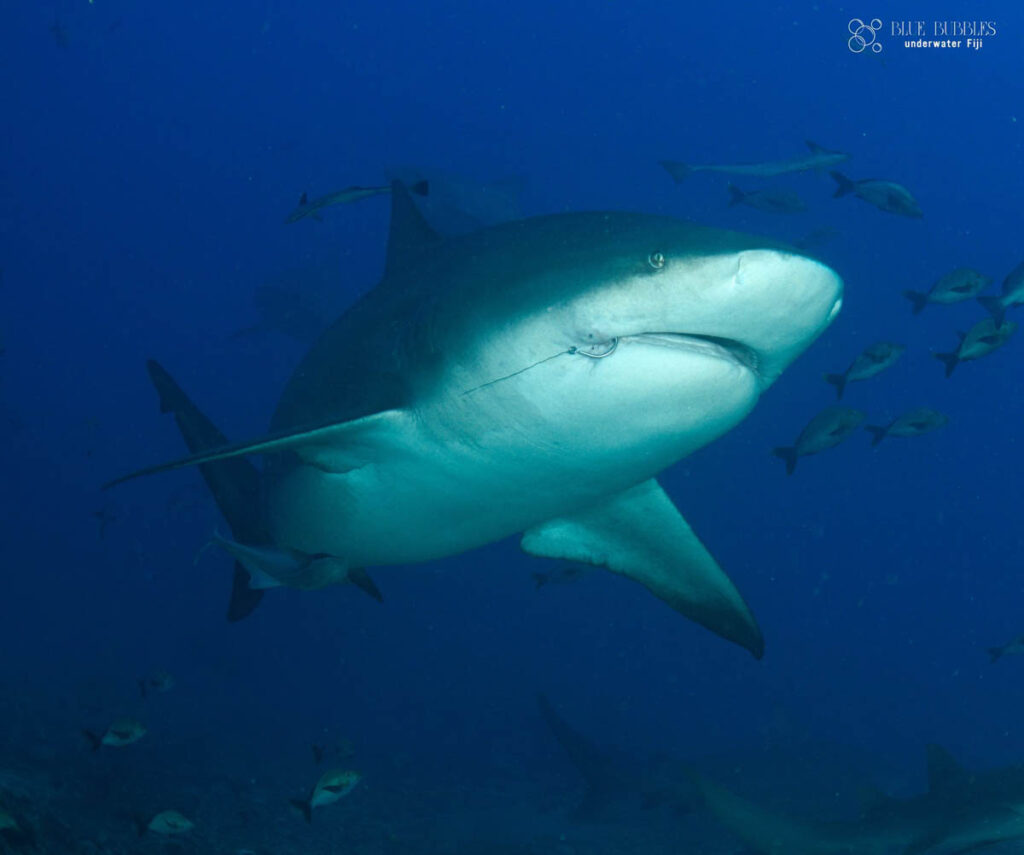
x: 533, y: 377
x: 961, y: 811
x: 819, y: 158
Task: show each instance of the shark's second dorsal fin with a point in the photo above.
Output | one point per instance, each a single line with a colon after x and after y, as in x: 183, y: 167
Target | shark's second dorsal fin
x: 945, y: 774
x: 409, y: 231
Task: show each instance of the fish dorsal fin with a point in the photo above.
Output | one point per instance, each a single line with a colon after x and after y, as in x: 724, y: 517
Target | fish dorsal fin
x: 409, y: 231
x: 303, y: 200
x: 815, y: 148
x: 945, y: 774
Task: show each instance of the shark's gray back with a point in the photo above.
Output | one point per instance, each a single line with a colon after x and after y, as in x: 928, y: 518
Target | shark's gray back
x: 386, y: 349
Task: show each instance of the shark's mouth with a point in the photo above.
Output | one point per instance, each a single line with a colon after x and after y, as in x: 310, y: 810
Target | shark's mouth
x: 713, y: 346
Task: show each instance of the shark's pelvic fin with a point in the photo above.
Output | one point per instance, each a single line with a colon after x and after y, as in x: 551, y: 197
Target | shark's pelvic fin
x: 234, y: 483
x: 409, y: 233
x: 274, y: 567
x: 640, y: 534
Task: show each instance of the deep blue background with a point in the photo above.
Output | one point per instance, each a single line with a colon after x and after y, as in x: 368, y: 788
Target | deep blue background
x: 145, y: 170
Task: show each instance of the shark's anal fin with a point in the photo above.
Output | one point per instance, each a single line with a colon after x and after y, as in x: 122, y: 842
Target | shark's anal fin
x: 640, y: 534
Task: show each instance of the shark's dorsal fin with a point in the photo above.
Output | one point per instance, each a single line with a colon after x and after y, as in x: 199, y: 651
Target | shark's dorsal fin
x: 945, y: 774
x: 409, y: 233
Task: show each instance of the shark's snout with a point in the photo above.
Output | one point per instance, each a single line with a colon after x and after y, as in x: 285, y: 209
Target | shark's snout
x: 782, y: 302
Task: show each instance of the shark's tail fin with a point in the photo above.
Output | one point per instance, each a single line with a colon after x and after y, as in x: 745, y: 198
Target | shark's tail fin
x: 234, y: 482
x: 597, y: 769
x: 843, y: 185
x: 839, y: 381
x: 995, y: 307
x: 877, y: 433
x: 995, y: 654
x: 950, y: 360
x: 95, y: 740
x: 788, y: 455
x: 918, y: 301
x: 678, y: 171
x: 760, y: 829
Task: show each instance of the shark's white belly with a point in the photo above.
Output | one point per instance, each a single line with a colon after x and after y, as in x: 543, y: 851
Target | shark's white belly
x: 466, y: 470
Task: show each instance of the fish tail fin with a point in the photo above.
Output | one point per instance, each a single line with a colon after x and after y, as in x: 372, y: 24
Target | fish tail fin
x: 95, y: 740
x: 304, y: 805
x: 918, y: 301
x: 843, y: 185
x: 735, y: 195
x: 994, y: 654
x: 994, y: 306
x: 877, y: 433
x: 234, y: 482
x: 839, y: 381
x: 679, y: 171
x: 788, y: 455
x: 950, y: 360
x: 361, y: 579
x: 539, y: 580
x: 420, y: 188
x: 142, y: 688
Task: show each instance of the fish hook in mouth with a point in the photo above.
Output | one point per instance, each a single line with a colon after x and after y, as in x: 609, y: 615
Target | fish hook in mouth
x: 599, y: 350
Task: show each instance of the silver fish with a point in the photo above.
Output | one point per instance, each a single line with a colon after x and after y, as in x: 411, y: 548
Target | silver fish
x: 1013, y: 294
x: 980, y: 340
x: 819, y: 158
x: 873, y: 360
x: 1013, y: 647
x: 955, y: 287
x: 914, y: 423
x: 312, y: 207
x: 826, y: 430
x: 771, y: 200
x: 884, y: 195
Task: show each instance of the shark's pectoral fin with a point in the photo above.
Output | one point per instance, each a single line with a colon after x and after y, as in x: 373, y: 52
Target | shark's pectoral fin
x: 333, y: 446
x: 640, y: 534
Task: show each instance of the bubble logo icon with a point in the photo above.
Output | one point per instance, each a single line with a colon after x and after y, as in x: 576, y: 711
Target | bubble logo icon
x: 864, y: 35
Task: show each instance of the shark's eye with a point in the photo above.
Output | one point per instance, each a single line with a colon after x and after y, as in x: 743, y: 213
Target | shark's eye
x: 598, y: 350
x: 656, y: 260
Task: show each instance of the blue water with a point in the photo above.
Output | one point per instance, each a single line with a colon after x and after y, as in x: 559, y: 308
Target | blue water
x: 147, y: 165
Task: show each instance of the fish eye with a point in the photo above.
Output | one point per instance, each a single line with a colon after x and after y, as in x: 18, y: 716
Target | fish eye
x: 656, y: 260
